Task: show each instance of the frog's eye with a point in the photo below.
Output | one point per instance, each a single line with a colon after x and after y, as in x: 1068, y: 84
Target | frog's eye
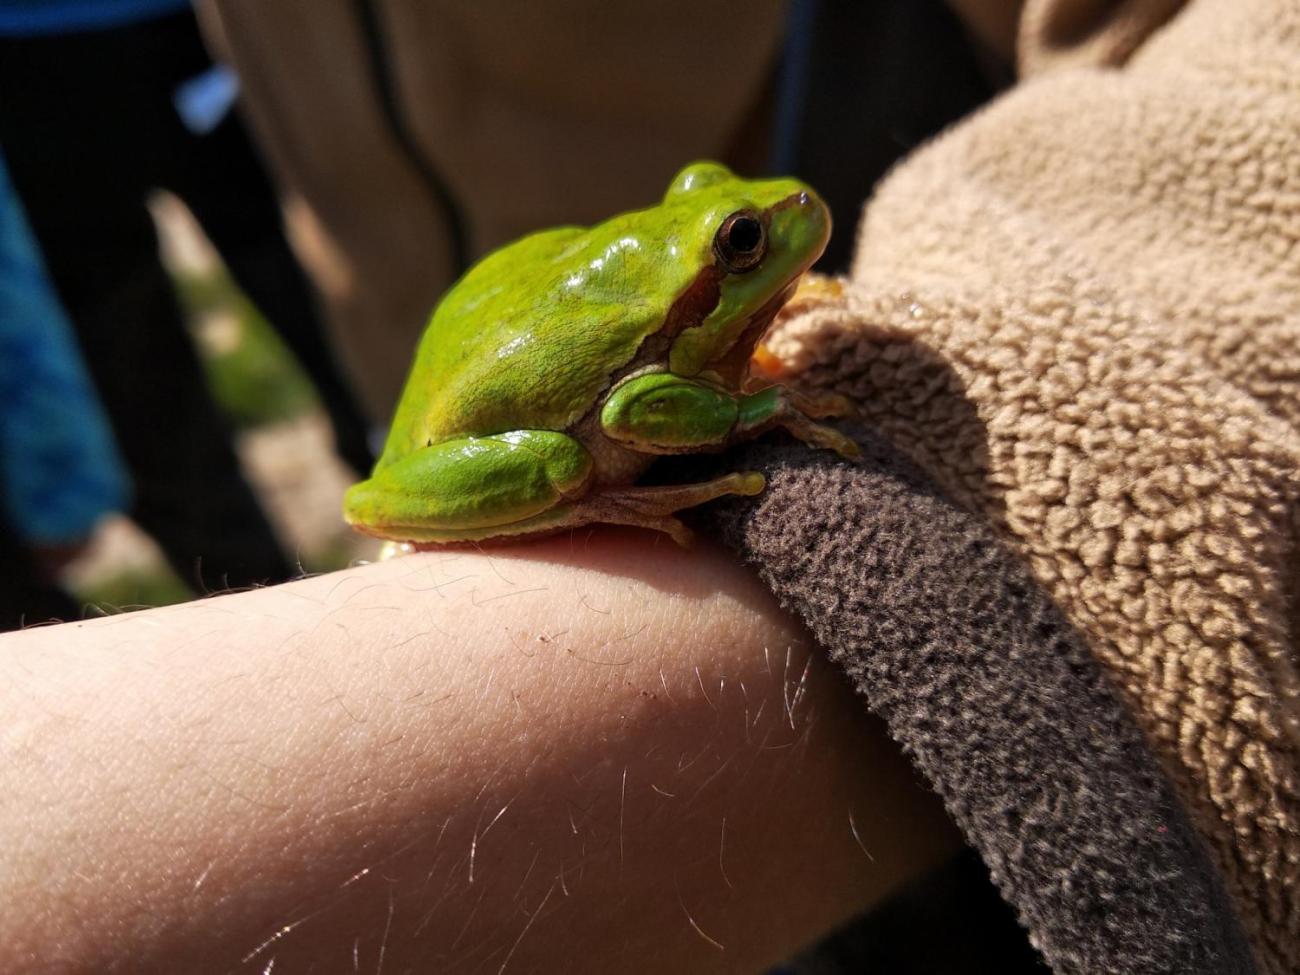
x: 741, y: 241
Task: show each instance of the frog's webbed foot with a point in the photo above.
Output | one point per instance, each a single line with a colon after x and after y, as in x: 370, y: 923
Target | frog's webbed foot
x: 653, y: 507
x: 820, y: 404
x: 793, y: 412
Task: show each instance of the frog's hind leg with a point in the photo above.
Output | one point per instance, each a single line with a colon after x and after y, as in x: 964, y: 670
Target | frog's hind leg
x: 472, y: 487
x: 653, y: 507
x: 640, y: 507
x: 777, y: 406
x: 523, y: 483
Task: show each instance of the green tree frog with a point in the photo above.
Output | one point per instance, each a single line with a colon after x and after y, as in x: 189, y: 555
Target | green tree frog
x: 557, y: 368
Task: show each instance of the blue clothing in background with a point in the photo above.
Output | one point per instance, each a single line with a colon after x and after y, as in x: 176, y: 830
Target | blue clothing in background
x: 25, y: 18
x: 59, y: 467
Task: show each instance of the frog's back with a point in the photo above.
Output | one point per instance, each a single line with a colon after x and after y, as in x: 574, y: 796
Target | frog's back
x: 531, y: 335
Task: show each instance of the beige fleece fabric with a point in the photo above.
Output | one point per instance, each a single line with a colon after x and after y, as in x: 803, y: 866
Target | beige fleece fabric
x: 1079, y: 311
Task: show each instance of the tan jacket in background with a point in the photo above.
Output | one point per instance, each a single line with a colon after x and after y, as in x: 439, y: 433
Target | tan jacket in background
x: 529, y: 124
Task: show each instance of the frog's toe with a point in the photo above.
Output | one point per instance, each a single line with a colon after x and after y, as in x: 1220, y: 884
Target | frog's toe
x: 654, y: 506
x: 391, y: 550
x: 823, y: 404
x: 822, y: 436
x: 831, y: 439
x: 676, y: 529
x: 846, y: 447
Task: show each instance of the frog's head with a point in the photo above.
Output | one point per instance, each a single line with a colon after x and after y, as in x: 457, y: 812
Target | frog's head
x: 752, y: 240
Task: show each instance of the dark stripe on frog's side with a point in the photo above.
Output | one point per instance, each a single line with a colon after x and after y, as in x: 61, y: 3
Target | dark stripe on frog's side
x: 614, y: 463
x: 688, y: 311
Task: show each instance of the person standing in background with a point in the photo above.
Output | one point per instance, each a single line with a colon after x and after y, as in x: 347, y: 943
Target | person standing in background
x: 59, y: 467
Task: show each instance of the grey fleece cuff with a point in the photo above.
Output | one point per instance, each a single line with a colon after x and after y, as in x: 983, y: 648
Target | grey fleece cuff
x: 998, y: 702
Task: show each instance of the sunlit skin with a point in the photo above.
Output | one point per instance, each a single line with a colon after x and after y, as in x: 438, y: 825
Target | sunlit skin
x: 593, y: 753
x: 559, y: 367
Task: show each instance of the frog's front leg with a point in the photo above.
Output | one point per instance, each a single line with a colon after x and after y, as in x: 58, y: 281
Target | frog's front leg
x: 472, y: 487
x: 662, y: 413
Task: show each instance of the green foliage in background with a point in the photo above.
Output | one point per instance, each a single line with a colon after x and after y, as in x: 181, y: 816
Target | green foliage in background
x: 158, y: 585
x: 256, y: 381
x: 132, y: 589
x: 252, y: 375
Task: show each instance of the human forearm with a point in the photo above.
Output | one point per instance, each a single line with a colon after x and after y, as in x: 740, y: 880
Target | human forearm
x: 591, y: 759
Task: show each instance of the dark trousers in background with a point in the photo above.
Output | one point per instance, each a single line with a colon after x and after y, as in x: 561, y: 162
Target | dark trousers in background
x: 26, y: 597
x: 89, y: 129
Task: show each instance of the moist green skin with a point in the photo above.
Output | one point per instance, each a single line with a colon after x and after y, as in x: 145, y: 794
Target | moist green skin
x: 534, y: 332
x: 537, y: 334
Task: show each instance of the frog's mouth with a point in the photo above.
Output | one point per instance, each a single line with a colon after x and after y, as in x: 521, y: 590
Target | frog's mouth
x: 801, y: 223
x: 804, y: 223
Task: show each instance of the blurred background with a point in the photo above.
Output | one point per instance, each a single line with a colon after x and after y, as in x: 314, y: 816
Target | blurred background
x: 282, y: 437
